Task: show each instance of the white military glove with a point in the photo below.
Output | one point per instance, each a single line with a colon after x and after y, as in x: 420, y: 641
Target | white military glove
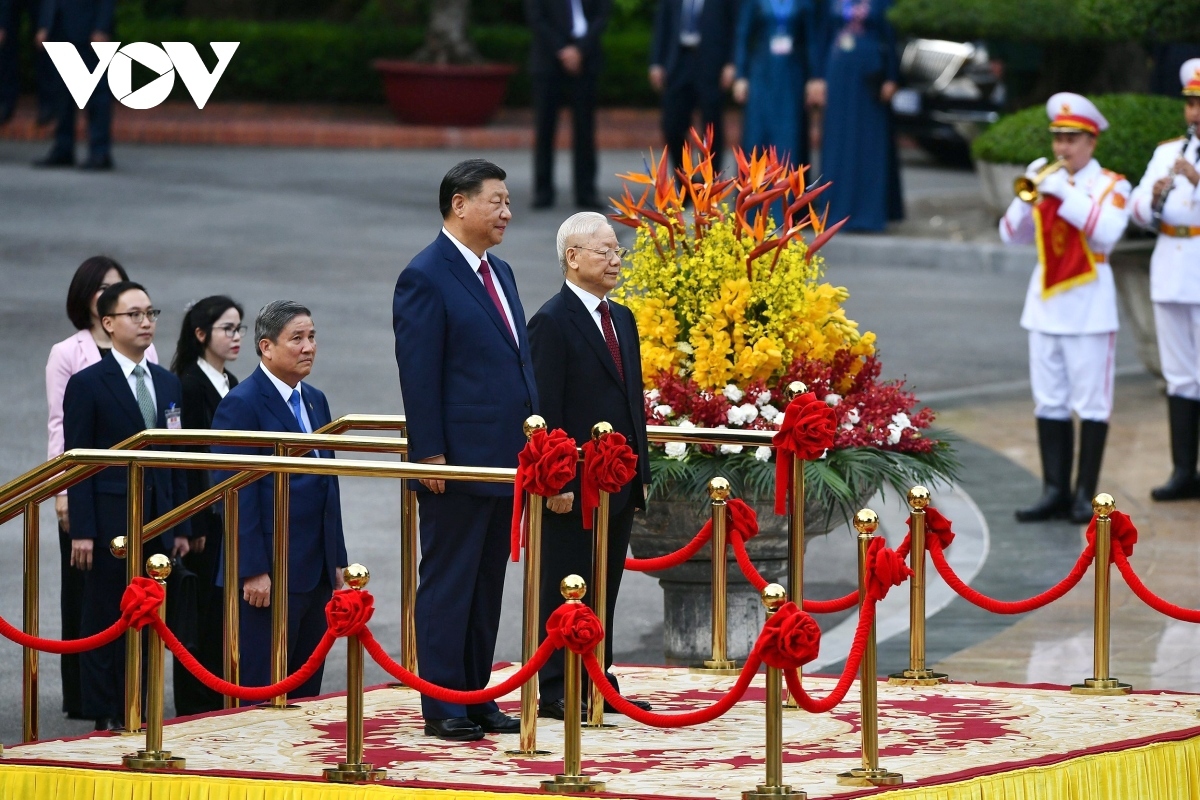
x: 1055, y: 184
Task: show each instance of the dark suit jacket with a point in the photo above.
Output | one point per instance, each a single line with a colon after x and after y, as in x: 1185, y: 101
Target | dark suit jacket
x: 316, y: 544
x: 578, y: 381
x: 77, y: 19
x: 718, y: 20
x: 551, y: 23
x: 467, y: 386
x: 100, y: 410
x: 200, y: 401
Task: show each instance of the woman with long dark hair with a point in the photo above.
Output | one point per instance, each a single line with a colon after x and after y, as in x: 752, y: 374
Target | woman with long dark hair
x: 85, y: 347
x: 211, y: 337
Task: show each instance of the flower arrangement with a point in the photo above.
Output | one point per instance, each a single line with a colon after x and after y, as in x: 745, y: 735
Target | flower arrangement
x: 731, y: 307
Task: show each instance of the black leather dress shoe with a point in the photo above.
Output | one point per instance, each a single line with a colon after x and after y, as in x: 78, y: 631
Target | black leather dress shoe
x: 98, y: 164
x: 54, y: 159
x: 456, y: 729
x: 496, y: 722
x: 642, y: 704
x: 556, y: 709
x: 107, y: 724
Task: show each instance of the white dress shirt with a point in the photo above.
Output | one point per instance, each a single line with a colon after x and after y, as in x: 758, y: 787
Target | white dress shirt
x: 127, y: 367
x: 219, y: 380
x: 285, y: 392
x: 474, y: 261
x: 579, y: 26
x: 592, y: 304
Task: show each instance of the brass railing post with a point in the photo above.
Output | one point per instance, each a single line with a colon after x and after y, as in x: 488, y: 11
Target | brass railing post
x: 572, y: 780
x: 353, y: 770
x: 531, y: 617
x: 595, y: 706
x: 1101, y: 682
x: 231, y: 658
x: 409, y: 548
x: 133, y: 560
x: 154, y: 758
x: 773, y: 788
x: 866, y: 522
x: 719, y: 664
x: 30, y: 605
x: 279, y: 583
x: 917, y: 674
x: 796, y: 502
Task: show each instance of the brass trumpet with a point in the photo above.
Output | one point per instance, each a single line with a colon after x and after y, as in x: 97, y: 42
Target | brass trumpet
x: 1026, y: 187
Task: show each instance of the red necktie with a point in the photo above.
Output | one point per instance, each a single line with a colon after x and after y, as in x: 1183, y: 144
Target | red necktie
x: 485, y: 272
x: 610, y: 338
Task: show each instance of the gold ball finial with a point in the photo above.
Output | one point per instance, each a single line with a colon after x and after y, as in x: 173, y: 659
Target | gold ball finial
x: 773, y: 596
x: 718, y: 488
x: 794, y: 390
x: 356, y: 576
x: 1104, y: 504
x: 918, y: 498
x: 158, y: 567
x: 600, y: 430
x: 117, y: 547
x: 533, y: 423
x: 572, y: 587
x: 866, y: 522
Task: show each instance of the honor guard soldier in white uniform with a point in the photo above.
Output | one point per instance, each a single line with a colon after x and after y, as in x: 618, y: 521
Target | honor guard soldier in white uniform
x: 1168, y: 201
x: 1075, y: 211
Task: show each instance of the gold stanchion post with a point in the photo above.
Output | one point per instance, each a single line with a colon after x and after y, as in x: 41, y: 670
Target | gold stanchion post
x: 773, y: 788
x: 866, y: 522
x: 719, y: 664
x: 595, y: 706
x: 279, y: 583
x: 154, y: 758
x: 917, y: 674
x: 353, y: 770
x: 29, y: 656
x: 133, y: 639
x: 231, y: 659
x: 795, y: 521
x: 409, y: 547
x: 1101, y: 683
x: 530, y: 613
x: 572, y: 780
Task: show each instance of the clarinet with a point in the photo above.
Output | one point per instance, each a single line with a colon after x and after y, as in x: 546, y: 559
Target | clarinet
x: 1156, y: 207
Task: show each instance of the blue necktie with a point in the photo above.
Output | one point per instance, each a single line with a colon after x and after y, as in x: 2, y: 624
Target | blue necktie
x: 294, y: 402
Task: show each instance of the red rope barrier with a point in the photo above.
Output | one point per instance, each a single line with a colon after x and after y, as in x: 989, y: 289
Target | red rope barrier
x: 1148, y: 597
x: 672, y: 559
x: 747, y: 566
x: 866, y: 617
x: 833, y: 606
x: 697, y: 717
x: 1014, y: 606
x: 63, y: 646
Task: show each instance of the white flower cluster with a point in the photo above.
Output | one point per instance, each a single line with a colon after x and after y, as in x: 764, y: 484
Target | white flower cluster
x: 762, y: 453
x: 678, y: 450
x: 896, y: 427
x: 851, y: 418
x: 742, y: 415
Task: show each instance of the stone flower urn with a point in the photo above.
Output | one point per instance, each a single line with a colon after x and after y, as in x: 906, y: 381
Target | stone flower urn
x: 669, y: 524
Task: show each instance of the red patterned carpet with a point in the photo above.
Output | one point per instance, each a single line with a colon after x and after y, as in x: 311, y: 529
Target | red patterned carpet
x: 932, y: 736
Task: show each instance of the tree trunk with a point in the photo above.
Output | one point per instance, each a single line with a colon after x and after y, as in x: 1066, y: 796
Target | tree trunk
x: 446, y: 40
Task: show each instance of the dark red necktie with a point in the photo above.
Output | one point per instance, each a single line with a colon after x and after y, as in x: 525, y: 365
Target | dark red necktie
x: 610, y: 338
x: 485, y: 272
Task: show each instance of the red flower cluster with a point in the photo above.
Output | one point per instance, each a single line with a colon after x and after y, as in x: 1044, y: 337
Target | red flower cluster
x: 577, y: 626
x: 790, y: 639
x: 140, y: 602
x: 348, y: 611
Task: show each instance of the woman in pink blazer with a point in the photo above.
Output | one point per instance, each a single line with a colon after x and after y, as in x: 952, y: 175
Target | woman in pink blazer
x: 82, y: 349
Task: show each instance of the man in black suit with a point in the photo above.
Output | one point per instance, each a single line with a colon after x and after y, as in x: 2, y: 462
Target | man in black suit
x: 80, y: 22
x: 691, y: 65
x: 587, y: 361
x: 11, y: 13
x: 565, y: 58
x: 104, y: 404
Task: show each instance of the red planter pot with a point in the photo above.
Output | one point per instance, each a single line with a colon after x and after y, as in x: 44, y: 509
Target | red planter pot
x: 443, y: 94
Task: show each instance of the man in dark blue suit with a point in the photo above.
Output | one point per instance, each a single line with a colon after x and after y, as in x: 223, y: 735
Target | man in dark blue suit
x: 586, y: 356
x: 274, y: 398
x: 691, y: 64
x: 467, y: 380
x: 104, y: 404
x: 80, y: 22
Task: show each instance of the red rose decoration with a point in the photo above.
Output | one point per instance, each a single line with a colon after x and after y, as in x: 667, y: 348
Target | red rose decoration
x: 807, y: 432
x: 348, y: 611
x: 576, y: 626
x: 885, y: 569
x: 937, y: 527
x: 544, y: 467
x: 140, y: 602
x: 608, y: 464
x: 743, y: 521
x: 1124, y: 534
x: 790, y: 639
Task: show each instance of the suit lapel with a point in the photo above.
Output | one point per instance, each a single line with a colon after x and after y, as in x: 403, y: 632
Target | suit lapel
x: 118, y: 384
x: 586, y: 324
x: 474, y: 286
x: 276, y: 405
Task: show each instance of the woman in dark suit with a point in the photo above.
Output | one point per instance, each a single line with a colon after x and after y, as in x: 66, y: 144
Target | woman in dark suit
x: 211, y: 337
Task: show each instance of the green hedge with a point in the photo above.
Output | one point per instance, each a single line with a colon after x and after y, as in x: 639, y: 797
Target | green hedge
x: 1137, y: 123
x: 1050, y: 20
x: 330, y: 63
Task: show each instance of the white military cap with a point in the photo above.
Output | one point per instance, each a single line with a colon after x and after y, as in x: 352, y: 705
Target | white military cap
x: 1072, y: 113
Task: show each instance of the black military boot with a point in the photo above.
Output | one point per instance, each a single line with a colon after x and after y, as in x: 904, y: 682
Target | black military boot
x: 1092, y: 435
x: 1056, y: 441
x: 1184, y: 483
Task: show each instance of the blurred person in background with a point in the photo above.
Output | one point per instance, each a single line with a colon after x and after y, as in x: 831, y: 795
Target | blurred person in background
x: 85, y: 347
x: 211, y: 335
x: 11, y: 14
